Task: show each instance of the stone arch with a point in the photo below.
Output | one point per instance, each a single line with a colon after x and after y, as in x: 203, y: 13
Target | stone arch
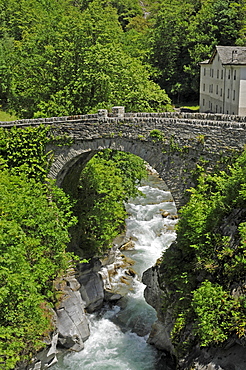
x: 70, y: 160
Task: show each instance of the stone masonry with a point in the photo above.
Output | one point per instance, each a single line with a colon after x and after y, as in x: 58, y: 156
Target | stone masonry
x: 172, y: 143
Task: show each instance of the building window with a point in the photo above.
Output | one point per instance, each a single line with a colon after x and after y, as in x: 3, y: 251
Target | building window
x: 218, y: 73
x: 211, y: 88
x: 203, y: 87
x: 211, y: 72
x: 235, y: 75
x: 220, y: 109
x: 203, y: 102
x: 221, y: 92
x: 234, y: 55
x: 228, y: 93
x: 216, y: 109
x: 234, y: 94
x: 204, y: 72
x: 229, y: 74
x: 222, y: 74
x: 217, y: 89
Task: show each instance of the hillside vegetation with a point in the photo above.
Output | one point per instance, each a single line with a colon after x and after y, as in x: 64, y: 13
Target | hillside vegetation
x: 62, y: 57
x: 204, y: 273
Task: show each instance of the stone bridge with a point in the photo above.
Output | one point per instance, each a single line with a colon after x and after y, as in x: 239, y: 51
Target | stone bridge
x: 173, y: 143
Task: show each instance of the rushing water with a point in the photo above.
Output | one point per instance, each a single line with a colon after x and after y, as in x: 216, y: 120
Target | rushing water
x: 119, y: 333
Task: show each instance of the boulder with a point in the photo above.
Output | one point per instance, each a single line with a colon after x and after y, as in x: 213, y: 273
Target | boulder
x: 91, y: 285
x: 72, y: 324
x: 165, y: 214
x: 161, y: 329
x: 127, y: 246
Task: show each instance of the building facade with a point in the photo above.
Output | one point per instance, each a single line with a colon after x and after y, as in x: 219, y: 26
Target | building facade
x: 223, y: 81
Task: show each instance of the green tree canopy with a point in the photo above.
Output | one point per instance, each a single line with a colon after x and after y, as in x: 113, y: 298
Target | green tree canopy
x: 69, y: 59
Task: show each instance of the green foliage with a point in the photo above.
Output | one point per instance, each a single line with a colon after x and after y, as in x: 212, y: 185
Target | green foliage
x: 83, y: 63
x: 34, y: 224
x: 217, y: 23
x: 107, y: 181
x: 97, y: 54
x: 127, y: 9
x: 217, y: 313
x: 33, y: 235
x: 6, y: 49
x: 24, y: 150
x: 168, y: 40
x: 157, y: 135
x: 208, y: 259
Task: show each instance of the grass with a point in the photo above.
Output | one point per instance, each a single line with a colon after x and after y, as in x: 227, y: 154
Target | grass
x: 192, y: 107
x: 188, y: 104
x: 4, y: 117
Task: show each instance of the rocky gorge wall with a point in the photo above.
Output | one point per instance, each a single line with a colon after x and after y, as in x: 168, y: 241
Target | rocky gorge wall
x: 229, y: 355
x: 71, y: 326
x: 83, y: 290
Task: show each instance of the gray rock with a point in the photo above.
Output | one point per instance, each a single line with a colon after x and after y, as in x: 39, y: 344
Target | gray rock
x: 111, y: 296
x: 92, y: 291
x: 72, y: 324
x: 161, y: 329
x: 152, y: 292
x: 52, y: 350
x: 233, y: 358
x: 160, y: 336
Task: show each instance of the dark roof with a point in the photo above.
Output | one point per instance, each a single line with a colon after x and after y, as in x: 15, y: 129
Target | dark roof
x: 229, y: 55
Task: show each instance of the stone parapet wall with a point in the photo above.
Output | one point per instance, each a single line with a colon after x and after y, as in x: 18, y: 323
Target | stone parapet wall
x: 103, y: 115
x: 215, y: 136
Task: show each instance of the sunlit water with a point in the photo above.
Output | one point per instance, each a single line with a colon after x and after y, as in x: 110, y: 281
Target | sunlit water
x: 119, y: 333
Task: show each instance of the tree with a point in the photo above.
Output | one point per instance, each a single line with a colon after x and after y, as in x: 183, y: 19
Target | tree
x: 24, y: 150
x: 184, y: 33
x: 33, y: 235
x: 80, y: 65
x: 168, y: 39
x: 106, y: 182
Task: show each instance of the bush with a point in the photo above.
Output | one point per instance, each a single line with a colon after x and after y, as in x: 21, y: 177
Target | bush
x: 33, y: 238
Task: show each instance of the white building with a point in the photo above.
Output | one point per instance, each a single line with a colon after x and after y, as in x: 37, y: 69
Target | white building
x: 223, y: 81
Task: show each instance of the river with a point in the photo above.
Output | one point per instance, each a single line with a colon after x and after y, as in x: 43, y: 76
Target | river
x: 119, y: 333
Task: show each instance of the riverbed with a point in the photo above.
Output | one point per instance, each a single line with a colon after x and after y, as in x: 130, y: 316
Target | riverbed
x: 119, y: 332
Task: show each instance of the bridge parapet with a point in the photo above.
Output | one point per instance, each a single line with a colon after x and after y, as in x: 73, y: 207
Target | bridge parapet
x: 118, y: 113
